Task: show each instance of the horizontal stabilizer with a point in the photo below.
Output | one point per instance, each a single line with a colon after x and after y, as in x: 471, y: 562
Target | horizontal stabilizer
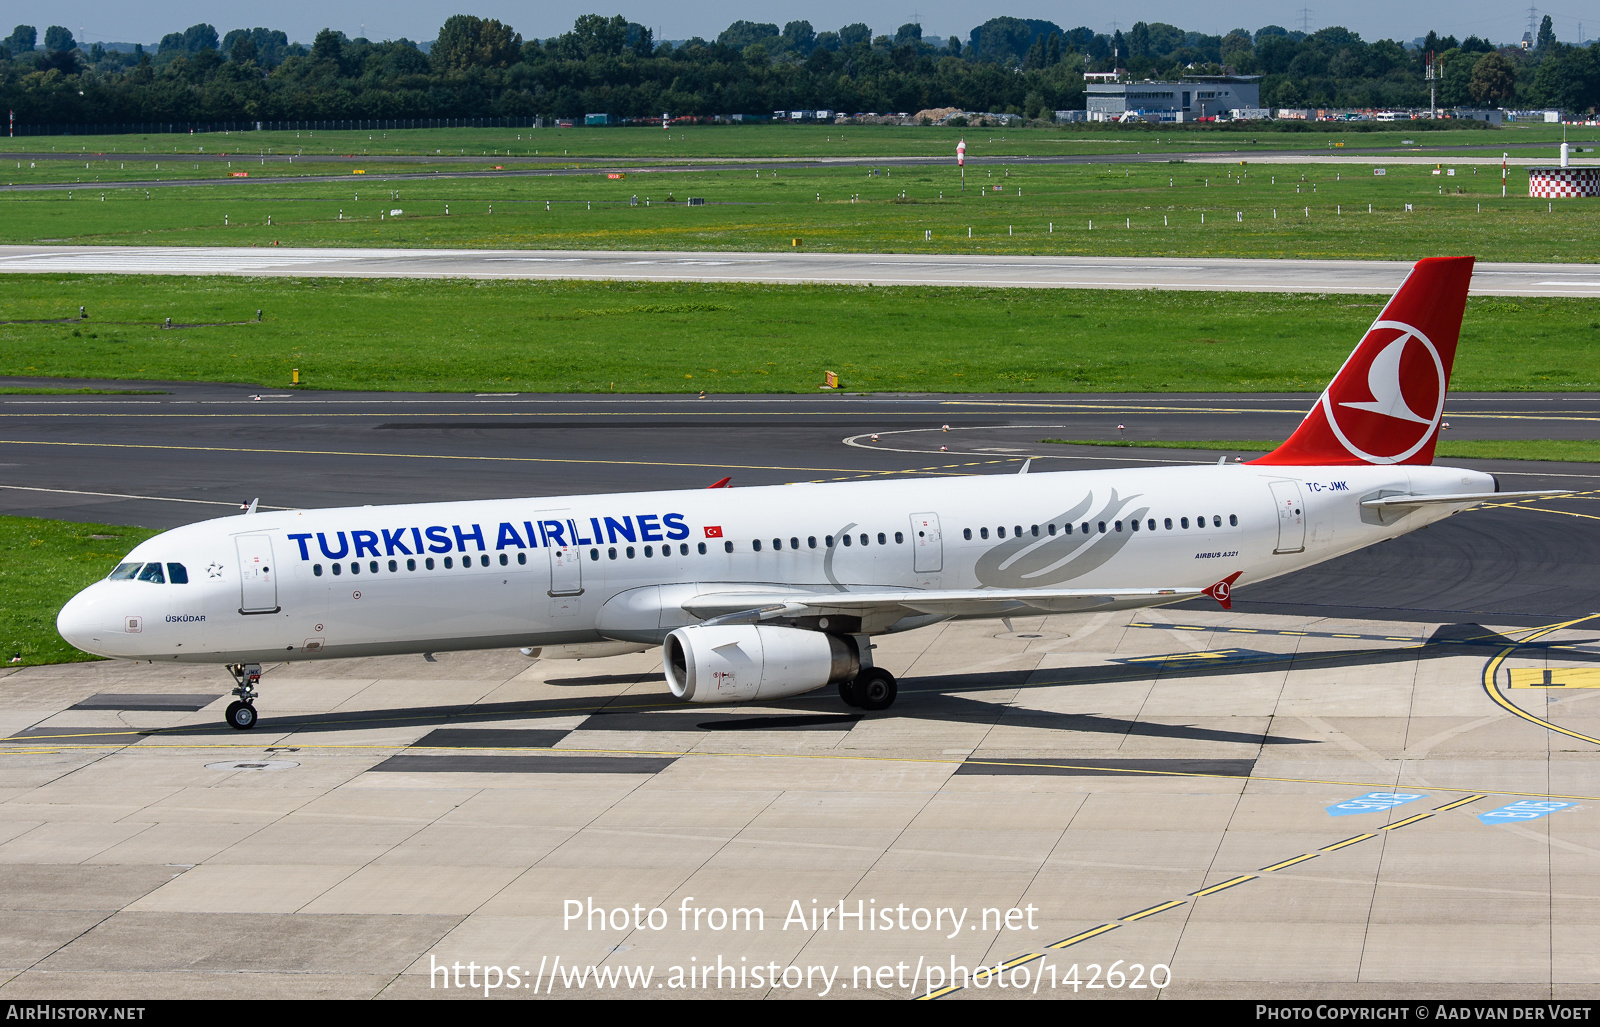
x: 1458, y: 499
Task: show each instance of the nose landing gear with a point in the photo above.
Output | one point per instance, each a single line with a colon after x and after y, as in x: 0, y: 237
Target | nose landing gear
x: 241, y: 714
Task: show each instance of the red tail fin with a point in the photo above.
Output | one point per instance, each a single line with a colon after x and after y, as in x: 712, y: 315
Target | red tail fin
x: 1385, y: 404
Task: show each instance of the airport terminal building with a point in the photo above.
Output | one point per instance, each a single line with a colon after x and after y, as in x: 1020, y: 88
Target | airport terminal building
x: 1197, y: 96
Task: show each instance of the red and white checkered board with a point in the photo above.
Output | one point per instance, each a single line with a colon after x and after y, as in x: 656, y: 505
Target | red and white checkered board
x: 1563, y: 183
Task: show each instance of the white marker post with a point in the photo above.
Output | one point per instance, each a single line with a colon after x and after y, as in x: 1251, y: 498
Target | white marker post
x: 961, y: 160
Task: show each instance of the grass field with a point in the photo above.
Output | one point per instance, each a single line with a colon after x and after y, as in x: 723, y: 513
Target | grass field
x: 1221, y: 209
x: 462, y: 335
x: 45, y: 563
x: 1563, y: 450
x: 695, y: 142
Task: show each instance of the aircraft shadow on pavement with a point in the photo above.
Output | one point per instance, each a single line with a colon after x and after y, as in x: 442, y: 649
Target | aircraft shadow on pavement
x: 933, y: 698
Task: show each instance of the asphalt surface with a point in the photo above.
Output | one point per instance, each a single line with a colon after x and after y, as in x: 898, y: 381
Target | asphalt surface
x: 198, y: 451
x: 1199, y: 273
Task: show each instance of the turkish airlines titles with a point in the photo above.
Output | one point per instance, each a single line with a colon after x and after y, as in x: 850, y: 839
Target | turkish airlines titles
x: 439, y: 538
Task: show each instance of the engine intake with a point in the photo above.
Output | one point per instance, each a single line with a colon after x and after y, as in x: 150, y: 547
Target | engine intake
x: 747, y: 662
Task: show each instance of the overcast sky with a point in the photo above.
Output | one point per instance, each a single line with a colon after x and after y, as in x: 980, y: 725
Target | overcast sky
x: 116, y: 20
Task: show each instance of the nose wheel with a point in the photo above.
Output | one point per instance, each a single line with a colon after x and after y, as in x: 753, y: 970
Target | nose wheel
x: 872, y: 689
x: 241, y: 713
x: 241, y: 716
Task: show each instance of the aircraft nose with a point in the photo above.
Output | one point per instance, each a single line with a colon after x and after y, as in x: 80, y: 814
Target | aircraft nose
x: 80, y: 622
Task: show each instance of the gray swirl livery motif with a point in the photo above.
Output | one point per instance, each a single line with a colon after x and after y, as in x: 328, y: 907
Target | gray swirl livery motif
x: 1029, y: 562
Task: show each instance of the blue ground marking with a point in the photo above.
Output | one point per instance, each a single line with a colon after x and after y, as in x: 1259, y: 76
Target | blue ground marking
x: 1526, y: 809
x: 1374, y: 802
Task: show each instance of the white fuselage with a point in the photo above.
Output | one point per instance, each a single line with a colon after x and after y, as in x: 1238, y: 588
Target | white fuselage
x: 579, y: 569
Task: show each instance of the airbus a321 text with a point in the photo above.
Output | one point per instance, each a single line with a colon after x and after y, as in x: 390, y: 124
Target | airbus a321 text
x: 763, y: 593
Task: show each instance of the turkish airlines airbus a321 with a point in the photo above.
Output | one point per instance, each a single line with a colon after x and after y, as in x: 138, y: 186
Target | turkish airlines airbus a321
x: 762, y: 593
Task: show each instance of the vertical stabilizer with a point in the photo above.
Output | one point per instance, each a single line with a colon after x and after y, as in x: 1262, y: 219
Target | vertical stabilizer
x: 1385, y: 404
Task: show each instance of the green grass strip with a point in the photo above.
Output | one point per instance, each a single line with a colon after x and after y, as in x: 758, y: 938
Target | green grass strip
x: 45, y: 563
x: 456, y: 335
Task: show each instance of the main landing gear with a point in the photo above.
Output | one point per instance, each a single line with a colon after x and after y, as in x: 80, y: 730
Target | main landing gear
x: 241, y: 714
x: 872, y: 689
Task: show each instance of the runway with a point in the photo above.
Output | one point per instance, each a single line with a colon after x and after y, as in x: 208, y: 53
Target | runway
x: 1208, y: 274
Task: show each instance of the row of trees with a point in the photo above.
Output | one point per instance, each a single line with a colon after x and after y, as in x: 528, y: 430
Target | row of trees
x: 483, y: 68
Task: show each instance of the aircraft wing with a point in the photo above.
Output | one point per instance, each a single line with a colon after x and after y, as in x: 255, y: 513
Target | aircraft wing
x: 992, y: 602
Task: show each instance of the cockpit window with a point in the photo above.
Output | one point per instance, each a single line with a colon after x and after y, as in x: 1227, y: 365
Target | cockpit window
x: 152, y: 572
x: 125, y: 571
x: 177, y: 573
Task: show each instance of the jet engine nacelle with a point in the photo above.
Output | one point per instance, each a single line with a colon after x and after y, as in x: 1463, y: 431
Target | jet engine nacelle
x: 747, y: 662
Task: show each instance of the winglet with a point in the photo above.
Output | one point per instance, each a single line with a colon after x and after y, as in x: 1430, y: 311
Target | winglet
x: 721, y: 483
x: 1222, y: 591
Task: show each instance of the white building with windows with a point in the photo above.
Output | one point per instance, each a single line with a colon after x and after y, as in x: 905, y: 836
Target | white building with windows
x: 1197, y: 96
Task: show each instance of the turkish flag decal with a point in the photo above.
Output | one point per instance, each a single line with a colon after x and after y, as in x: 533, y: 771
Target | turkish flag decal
x: 714, y: 531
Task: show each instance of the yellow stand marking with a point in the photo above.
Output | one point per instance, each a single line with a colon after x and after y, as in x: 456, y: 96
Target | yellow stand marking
x: 1152, y: 911
x: 1565, y: 677
x: 1348, y: 841
x: 1242, y: 878
x: 1458, y: 802
x: 1085, y: 936
x: 1493, y: 692
x: 1403, y: 823
x: 1289, y: 862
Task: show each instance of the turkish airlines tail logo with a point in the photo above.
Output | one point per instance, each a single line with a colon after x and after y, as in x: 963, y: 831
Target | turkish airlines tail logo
x: 1385, y: 404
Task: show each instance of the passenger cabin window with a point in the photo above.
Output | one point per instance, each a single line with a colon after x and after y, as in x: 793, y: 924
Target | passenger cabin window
x: 883, y: 539
x: 1233, y: 520
x: 522, y: 558
x: 316, y: 570
x: 337, y: 569
x: 983, y: 532
x: 1168, y: 523
x: 1102, y: 527
x: 1000, y: 532
x: 1152, y: 524
x: 1052, y: 528
x: 755, y: 544
x: 727, y: 547
x: 611, y: 553
x: 847, y: 540
x: 966, y: 533
x: 811, y: 541
x: 1035, y: 530
x: 863, y: 538
x: 702, y: 549
x: 1183, y: 521
x: 428, y: 563
x: 899, y: 538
